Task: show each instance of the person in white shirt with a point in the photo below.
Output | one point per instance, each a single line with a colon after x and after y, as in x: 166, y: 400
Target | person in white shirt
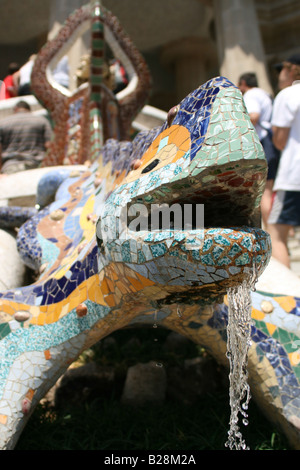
x: 285, y: 212
x: 22, y: 77
x: 259, y: 106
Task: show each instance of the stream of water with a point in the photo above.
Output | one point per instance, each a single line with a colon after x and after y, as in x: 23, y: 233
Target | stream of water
x: 238, y: 344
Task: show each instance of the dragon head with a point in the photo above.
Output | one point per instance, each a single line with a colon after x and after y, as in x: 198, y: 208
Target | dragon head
x: 192, y: 200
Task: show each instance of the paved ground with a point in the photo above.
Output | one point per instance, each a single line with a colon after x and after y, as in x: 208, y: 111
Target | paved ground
x: 278, y: 279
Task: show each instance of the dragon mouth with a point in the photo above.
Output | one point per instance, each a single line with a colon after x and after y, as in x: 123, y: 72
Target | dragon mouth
x: 194, y: 213
x: 224, y: 197
x: 226, y: 246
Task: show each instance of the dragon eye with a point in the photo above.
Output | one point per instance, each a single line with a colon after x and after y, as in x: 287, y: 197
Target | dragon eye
x: 151, y: 165
x: 172, y: 114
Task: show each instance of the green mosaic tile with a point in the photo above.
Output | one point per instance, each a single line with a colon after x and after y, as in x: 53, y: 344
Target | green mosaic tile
x: 141, y: 257
x: 216, y: 118
x: 229, y: 125
x: 158, y: 250
x: 214, y: 140
x: 217, y: 252
x: 235, y: 145
x: 243, y: 259
x: 223, y: 160
x: 224, y: 149
x: 225, y: 107
x: 215, y: 128
x: 207, y: 245
x: 227, y: 116
x: 235, y: 249
x: 284, y: 337
x: 4, y: 330
x: 221, y: 240
x: 237, y: 155
x: 207, y: 260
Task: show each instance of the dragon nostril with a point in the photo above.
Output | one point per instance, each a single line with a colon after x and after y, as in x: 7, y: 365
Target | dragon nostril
x: 136, y: 164
x: 151, y: 165
x: 172, y: 114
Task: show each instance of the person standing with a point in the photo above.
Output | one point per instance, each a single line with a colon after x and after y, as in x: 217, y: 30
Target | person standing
x: 8, y: 88
x: 285, y: 212
x: 22, y: 78
x: 24, y: 138
x: 285, y: 78
x: 259, y: 106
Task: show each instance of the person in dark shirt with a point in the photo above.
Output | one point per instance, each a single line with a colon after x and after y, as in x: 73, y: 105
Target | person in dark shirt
x: 24, y: 138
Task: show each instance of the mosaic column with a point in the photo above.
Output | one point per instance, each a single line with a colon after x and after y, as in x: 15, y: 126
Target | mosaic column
x: 239, y: 40
x: 193, y: 60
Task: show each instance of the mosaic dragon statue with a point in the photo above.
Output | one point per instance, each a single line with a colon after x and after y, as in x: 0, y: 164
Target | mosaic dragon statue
x: 98, y: 275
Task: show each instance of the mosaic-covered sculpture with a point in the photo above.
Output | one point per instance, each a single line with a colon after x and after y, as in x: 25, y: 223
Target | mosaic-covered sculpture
x: 84, y: 119
x: 87, y: 289
x: 98, y: 275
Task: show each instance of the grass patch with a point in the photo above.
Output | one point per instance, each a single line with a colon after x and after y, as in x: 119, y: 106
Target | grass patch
x: 105, y: 424
x: 111, y: 426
